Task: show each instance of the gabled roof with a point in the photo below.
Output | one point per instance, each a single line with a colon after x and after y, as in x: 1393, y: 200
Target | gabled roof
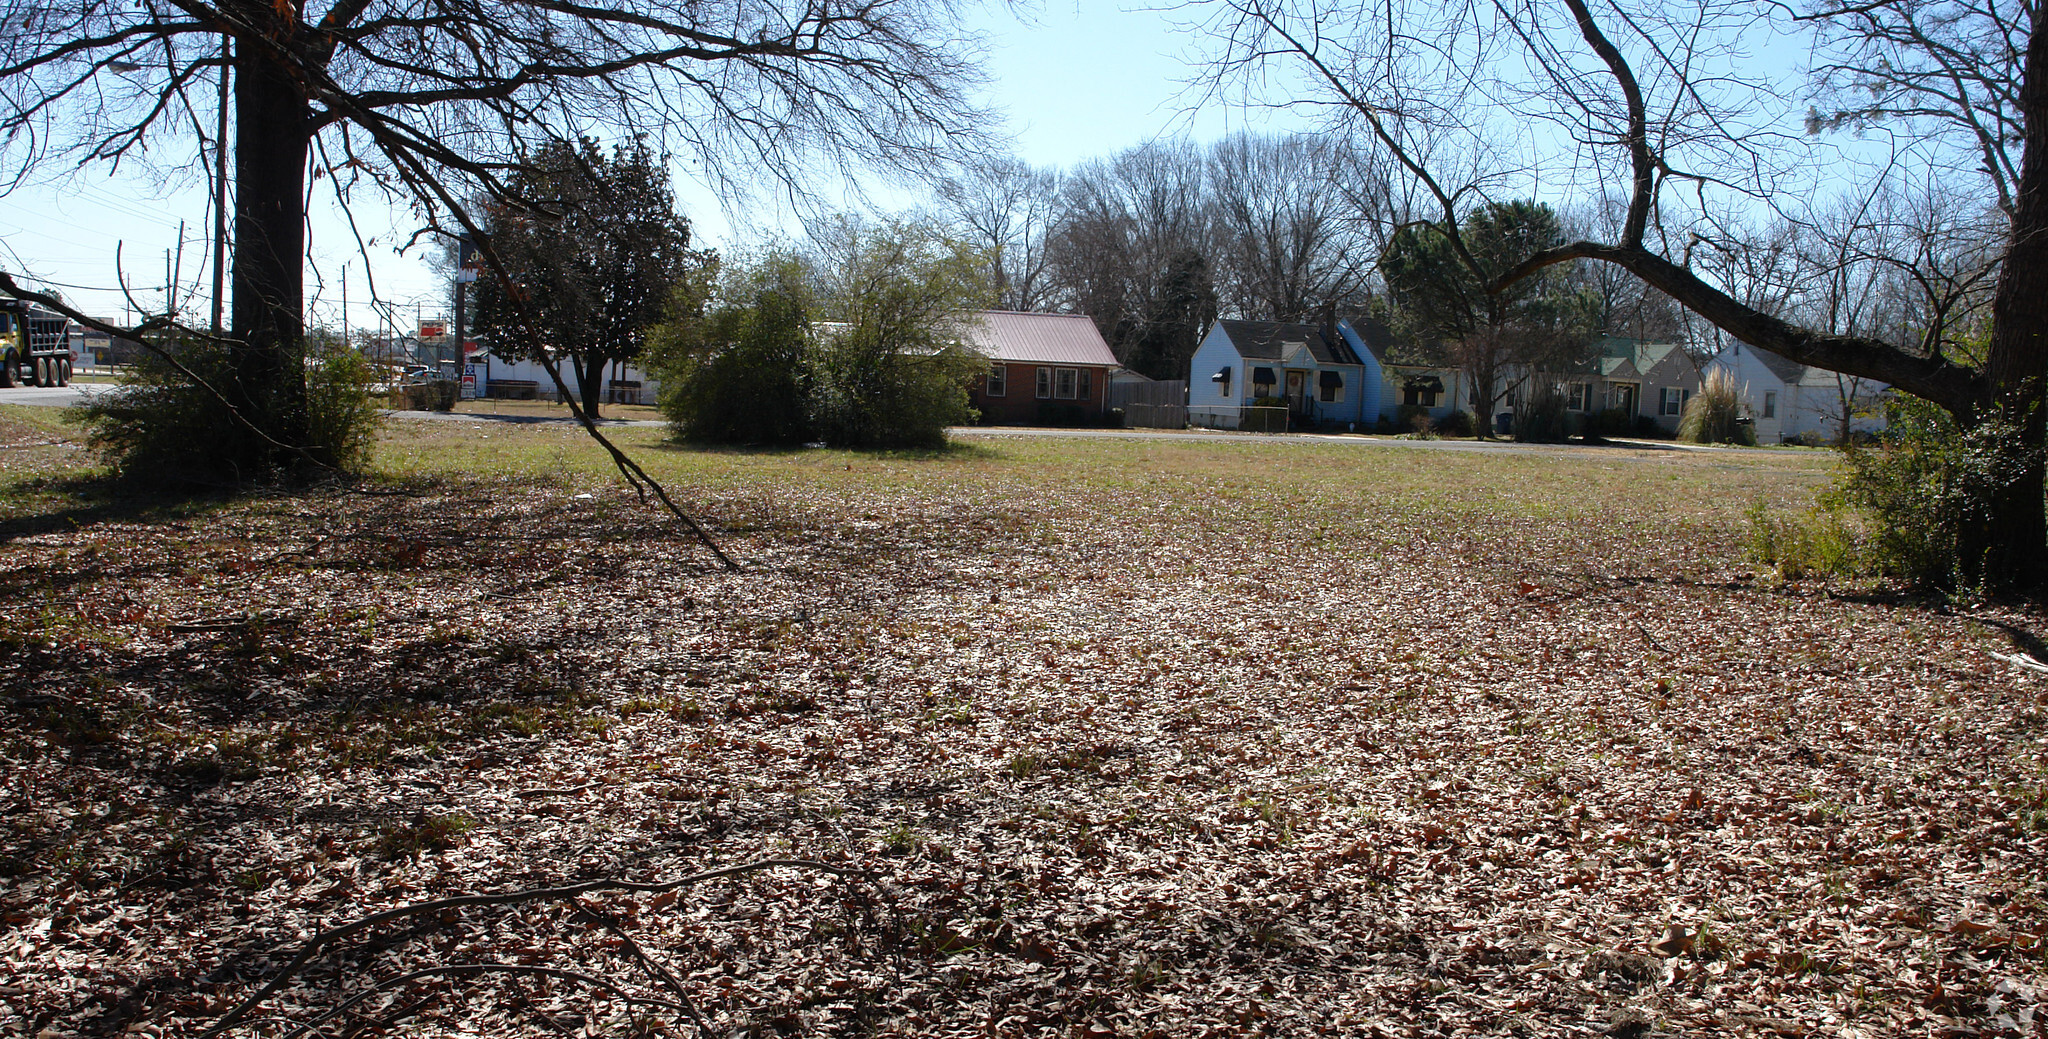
x: 1268, y: 340
x: 1624, y: 358
x: 1007, y: 335
x: 1788, y: 371
x: 1375, y: 334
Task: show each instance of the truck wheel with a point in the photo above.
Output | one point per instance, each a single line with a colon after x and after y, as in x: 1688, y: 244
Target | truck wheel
x: 49, y: 370
x: 35, y: 371
x: 7, y: 372
x: 64, y: 371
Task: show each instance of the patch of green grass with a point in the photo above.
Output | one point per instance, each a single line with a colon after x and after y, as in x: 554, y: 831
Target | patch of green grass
x: 423, y: 834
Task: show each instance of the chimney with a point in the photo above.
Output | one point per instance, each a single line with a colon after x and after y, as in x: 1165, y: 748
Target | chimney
x: 1329, y: 324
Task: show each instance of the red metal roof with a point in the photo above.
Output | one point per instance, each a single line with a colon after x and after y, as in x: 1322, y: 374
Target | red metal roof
x: 1006, y: 335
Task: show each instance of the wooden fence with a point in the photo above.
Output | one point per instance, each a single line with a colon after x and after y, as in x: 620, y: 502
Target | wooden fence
x: 1162, y: 404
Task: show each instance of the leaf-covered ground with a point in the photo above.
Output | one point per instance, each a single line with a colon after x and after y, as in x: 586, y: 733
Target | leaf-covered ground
x: 1115, y: 738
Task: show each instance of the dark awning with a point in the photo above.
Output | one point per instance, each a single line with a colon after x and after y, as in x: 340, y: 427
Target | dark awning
x: 1426, y: 383
x: 1264, y: 375
x: 1222, y: 375
x: 1331, y: 380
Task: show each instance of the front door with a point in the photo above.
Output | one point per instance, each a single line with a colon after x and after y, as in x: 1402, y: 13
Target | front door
x: 1297, y: 386
x: 1625, y: 398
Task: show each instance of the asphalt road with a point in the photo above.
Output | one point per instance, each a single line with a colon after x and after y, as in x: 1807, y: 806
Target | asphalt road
x: 1623, y: 448
x: 52, y: 396
x: 69, y: 395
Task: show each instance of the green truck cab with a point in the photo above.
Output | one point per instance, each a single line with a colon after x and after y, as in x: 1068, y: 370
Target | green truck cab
x: 35, y: 345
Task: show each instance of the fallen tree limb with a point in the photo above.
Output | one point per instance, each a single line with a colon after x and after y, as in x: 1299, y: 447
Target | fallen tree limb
x: 563, y: 893
x: 473, y: 969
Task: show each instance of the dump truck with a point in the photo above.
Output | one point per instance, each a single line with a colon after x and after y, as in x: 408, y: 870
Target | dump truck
x: 35, y: 345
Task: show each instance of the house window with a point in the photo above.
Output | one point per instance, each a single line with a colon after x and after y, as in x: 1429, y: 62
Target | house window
x: 1670, y: 400
x: 1222, y: 381
x: 1064, y: 383
x: 1578, y: 396
x: 1262, y: 382
x: 1332, y: 386
x: 998, y: 381
x: 1770, y: 405
x: 1086, y: 382
x: 1421, y: 393
x: 1045, y: 384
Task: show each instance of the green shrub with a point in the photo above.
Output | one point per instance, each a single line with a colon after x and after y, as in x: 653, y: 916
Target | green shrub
x: 739, y: 377
x: 432, y: 395
x: 1827, y: 539
x: 1613, y: 422
x: 1266, y: 415
x: 1928, y: 485
x: 1456, y: 423
x: 1412, y: 418
x: 250, y: 423
x: 1904, y: 507
x: 1714, y: 414
x: 867, y: 393
x: 855, y: 345
x: 1543, y: 417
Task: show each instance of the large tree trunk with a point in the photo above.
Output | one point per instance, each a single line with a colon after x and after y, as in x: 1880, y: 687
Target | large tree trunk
x: 273, y: 134
x: 590, y: 382
x: 2015, y: 546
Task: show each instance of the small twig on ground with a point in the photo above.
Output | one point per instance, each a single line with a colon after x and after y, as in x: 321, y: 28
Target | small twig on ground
x: 2021, y: 660
x: 1645, y: 632
x: 542, y: 791
x: 2030, y: 647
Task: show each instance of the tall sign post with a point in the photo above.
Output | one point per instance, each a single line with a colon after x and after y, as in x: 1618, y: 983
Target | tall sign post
x: 467, y: 259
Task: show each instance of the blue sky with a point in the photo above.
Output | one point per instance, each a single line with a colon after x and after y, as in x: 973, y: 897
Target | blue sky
x: 1077, y: 81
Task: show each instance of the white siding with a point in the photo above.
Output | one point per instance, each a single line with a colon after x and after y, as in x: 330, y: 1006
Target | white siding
x: 1208, y: 405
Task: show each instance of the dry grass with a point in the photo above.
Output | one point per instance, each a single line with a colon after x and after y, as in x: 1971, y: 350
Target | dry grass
x: 1138, y: 737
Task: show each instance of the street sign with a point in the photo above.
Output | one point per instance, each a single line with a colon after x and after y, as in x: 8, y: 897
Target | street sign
x: 433, y: 328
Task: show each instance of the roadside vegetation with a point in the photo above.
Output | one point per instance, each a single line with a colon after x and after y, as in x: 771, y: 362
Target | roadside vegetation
x: 1118, y: 737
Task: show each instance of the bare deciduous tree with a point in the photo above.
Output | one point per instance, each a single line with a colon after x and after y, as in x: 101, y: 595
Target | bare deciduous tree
x: 1291, y: 234
x: 1007, y: 208
x: 1132, y: 251
x: 1644, y: 91
x: 433, y: 100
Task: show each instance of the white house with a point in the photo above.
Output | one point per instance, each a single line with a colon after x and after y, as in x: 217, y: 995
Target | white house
x: 1319, y: 375
x: 1411, y: 390
x: 1793, y: 401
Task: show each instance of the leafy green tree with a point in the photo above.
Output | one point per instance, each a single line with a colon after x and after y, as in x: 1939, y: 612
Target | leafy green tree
x: 589, y: 256
x: 1501, y: 339
x: 862, y: 330
x: 888, y: 370
x: 737, y: 375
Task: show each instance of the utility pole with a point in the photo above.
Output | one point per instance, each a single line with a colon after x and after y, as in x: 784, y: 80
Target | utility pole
x: 177, y: 277
x: 220, y: 186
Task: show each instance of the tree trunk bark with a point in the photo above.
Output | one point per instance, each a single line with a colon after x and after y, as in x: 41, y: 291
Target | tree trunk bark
x: 590, y: 383
x: 2014, y: 550
x: 272, y: 139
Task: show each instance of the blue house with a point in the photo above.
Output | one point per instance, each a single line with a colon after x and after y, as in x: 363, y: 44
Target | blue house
x: 1325, y: 375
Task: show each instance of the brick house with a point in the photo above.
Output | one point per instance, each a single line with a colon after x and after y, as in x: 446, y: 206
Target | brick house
x: 1044, y: 369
